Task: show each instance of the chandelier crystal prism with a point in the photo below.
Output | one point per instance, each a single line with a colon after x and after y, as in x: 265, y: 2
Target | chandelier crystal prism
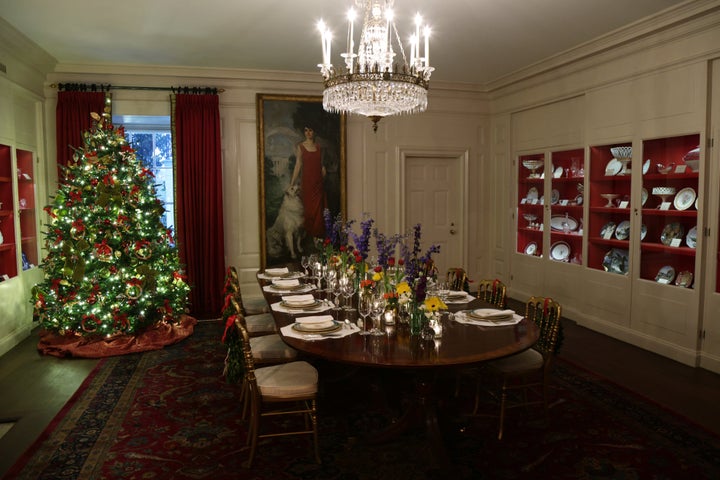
x: 377, y: 80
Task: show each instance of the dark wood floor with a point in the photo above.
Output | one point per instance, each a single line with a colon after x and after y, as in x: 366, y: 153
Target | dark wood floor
x: 34, y: 387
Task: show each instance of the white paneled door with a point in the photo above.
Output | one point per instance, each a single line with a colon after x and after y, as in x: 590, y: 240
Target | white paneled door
x: 434, y: 198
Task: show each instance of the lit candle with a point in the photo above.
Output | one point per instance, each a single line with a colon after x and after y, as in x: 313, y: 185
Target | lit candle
x: 321, y: 28
x: 427, y: 46
x: 413, y: 43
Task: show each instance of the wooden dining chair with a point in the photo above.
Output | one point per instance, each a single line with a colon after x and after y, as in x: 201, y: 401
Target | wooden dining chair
x: 278, y: 390
x: 493, y: 292
x: 457, y: 279
x: 528, y: 372
x: 251, y: 305
x: 257, y: 325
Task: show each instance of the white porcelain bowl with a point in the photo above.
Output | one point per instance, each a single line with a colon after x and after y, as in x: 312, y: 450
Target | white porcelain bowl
x: 663, y: 191
x: 621, y: 152
x: 693, y: 164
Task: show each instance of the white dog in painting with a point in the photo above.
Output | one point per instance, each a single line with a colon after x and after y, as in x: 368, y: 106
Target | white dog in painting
x: 287, y: 232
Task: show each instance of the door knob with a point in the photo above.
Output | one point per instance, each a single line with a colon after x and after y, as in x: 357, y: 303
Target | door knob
x: 452, y: 230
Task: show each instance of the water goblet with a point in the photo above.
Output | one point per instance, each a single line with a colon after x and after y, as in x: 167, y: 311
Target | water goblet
x: 364, y: 309
x: 377, y: 310
x: 305, y: 262
x: 348, y: 290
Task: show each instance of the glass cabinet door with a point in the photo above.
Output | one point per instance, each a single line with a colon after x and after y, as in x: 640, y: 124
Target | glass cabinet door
x: 530, y: 204
x: 566, y: 210
x: 8, y: 259
x: 609, y: 208
x: 26, y: 204
x: 670, y: 214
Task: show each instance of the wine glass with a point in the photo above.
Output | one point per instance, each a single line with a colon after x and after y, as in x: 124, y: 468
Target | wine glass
x: 377, y: 309
x: 348, y: 290
x: 364, y: 308
x: 305, y: 262
x: 329, y: 272
x: 335, y: 292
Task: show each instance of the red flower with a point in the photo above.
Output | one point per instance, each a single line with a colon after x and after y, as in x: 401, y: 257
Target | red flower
x: 377, y: 269
x: 391, y: 261
x: 401, y: 262
x: 78, y: 225
x: 343, y: 248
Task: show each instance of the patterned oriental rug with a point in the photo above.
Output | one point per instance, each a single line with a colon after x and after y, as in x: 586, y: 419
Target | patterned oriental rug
x: 168, y: 414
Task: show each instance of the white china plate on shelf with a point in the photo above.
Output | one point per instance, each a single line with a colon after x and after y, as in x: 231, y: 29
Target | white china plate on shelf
x: 671, y: 232
x: 646, y: 167
x: 643, y: 232
x: 554, y: 197
x: 608, y: 227
x: 579, y: 199
x: 617, y: 261
x: 560, y: 251
x: 684, y: 198
x: 531, y: 248
x: 644, y: 195
x: 532, y: 194
x: 684, y: 279
x: 696, y: 203
x: 556, y: 223
x: 691, y: 238
x: 613, y: 167
x: 558, y: 172
x: 622, y: 232
x: 665, y: 275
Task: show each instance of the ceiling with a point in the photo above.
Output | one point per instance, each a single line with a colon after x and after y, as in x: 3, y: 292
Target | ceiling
x: 473, y: 41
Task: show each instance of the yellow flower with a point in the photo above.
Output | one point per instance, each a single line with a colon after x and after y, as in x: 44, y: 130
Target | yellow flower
x: 433, y: 304
x: 377, y: 276
x: 402, y: 288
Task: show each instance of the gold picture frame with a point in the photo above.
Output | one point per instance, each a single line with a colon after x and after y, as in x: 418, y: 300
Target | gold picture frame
x: 281, y: 125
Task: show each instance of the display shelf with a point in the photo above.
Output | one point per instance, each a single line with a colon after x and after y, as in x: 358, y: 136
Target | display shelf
x: 609, y: 198
x: 8, y: 259
x: 670, y: 212
x: 566, y: 210
x: 530, y: 205
x: 26, y: 203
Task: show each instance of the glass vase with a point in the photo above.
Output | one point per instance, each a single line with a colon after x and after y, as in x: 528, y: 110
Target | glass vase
x: 418, y: 320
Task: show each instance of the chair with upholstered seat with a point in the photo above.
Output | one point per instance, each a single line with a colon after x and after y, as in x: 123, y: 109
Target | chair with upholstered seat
x: 251, y: 305
x: 258, y: 324
x: 493, y: 292
x: 283, y: 389
x: 457, y: 279
x: 528, y: 372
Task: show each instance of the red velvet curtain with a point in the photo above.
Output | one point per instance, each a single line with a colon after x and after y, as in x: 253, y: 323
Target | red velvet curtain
x: 199, y: 199
x: 72, y: 118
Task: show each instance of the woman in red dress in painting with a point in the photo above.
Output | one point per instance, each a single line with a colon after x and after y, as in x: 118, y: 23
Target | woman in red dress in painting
x: 308, y: 163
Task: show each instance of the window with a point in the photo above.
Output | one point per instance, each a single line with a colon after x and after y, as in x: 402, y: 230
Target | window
x: 151, y: 138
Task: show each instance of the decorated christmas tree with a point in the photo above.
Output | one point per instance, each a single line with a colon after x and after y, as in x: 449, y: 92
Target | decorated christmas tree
x: 111, y: 264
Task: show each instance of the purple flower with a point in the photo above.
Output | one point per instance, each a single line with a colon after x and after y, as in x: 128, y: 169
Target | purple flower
x: 362, y: 241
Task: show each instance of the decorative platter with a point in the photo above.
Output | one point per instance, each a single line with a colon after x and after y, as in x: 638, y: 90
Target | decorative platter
x: 607, y: 230
x: 300, y: 306
x: 617, y: 261
x: 622, y: 232
x: 613, y: 167
x: 558, y: 172
x: 532, y: 194
x: 531, y: 248
x: 665, y: 275
x: 644, y: 196
x: 557, y: 221
x: 560, y: 251
x: 554, y: 196
x: 646, y: 167
x: 684, y: 198
x: 317, y: 328
x: 579, y: 199
x: 684, y: 279
x: 643, y: 232
x: 671, y: 232
x: 691, y: 238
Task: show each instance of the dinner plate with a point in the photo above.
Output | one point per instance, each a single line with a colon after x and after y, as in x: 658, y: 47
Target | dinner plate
x: 532, y: 194
x: 622, y: 232
x: 617, y: 261
x: 579, y: 199
x: 558, y: 172
x: 613, y: 167
x: 554, y: 196
x: 643, y: 232
x: 557, y: 221
x: 691, y: 238
x: 646, y: 167
x: 490, y: 314
x: 303, y: 306
x: 671, y: 232
x: 665, y: 275
x: 277, y: 272
x: 607, y: 230
x: 684, y: 279
x: 317, y: 328
x: 644, y: 196
x: 560, y: 251
x: 685, y: 198
x: 531, y: 248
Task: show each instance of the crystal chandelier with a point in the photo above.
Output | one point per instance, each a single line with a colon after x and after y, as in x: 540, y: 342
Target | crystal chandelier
x: 377, y: 80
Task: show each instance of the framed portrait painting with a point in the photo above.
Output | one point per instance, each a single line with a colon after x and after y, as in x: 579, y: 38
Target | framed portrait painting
x: 301, y: 165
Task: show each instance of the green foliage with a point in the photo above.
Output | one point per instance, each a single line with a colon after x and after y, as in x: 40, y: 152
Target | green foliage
x: 111, y: 265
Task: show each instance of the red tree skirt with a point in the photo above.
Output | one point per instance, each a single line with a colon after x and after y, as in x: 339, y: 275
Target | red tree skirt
x: 154, y: 338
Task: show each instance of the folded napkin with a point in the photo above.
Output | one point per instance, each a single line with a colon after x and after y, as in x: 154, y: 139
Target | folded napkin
x: 456, y: 294
x: 314, y: 319
x: 308, y: 299
x: 286, y: 283
x: 276, y: 272
x: 490, y: 314
x: 467, y: 318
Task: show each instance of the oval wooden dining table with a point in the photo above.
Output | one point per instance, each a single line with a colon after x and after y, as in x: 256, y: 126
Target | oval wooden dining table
x: 460, y: 345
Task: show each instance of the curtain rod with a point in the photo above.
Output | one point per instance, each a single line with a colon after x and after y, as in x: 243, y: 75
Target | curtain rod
x: 81, y: 87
